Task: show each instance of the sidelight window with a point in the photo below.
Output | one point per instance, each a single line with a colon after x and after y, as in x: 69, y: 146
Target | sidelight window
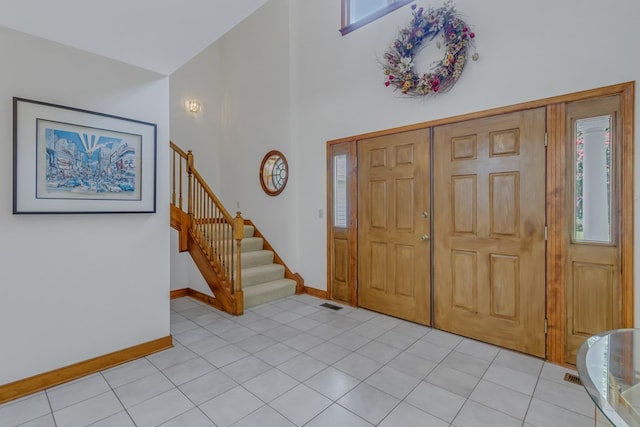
x: 340, y: 194
x: 592, y: 180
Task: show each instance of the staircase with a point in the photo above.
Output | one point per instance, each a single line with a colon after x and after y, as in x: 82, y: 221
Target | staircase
x: 240, y: 266
x: 263, y: 280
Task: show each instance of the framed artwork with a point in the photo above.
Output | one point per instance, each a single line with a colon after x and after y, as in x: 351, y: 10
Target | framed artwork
x: 68, y: 160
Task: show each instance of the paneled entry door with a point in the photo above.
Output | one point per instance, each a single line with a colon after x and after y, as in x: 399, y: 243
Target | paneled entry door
x: 394, y: 222
x: 489, y: 222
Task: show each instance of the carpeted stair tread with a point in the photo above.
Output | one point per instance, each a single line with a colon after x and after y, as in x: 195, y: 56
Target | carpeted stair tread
x: 268, y: 291
x: 252, y: 244
x: 248, y: 230
x: 256, y: 258
x: 260, y: 274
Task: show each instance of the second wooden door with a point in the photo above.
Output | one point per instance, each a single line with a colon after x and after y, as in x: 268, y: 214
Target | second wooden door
x: 489, y: 222
x: 394, y: 225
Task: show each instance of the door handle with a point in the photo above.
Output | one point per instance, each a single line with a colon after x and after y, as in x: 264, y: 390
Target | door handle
x: 424, y: 237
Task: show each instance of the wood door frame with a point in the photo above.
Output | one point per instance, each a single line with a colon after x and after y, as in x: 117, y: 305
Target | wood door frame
x: 556, y: 200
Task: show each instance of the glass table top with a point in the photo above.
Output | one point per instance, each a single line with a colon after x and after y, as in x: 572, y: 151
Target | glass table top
x: 609, y: 367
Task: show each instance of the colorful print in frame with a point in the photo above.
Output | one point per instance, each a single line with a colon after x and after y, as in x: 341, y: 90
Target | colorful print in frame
x: 68, y: 160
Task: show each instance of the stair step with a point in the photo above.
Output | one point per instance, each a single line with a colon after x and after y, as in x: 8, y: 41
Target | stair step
x: 261, y: 274
x: 248, y: 231
x: 269, y: 291
x: 252, y: 244
x: 256, y: 258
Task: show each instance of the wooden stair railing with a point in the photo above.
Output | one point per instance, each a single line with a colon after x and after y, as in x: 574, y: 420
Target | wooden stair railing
x: 211, y: 235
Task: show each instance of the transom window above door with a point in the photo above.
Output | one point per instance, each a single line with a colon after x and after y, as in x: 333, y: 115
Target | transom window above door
x: 357, y: 13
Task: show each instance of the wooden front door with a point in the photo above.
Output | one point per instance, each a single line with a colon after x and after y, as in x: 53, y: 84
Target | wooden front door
x: 394, y: 222
x: 489, y: 230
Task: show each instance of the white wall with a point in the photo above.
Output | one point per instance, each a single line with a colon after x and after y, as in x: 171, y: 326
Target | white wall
x: 528, y: 50
x: 74, y: 287
x: 244, y: 87
x: 256, y: 95
x: 202, y: 133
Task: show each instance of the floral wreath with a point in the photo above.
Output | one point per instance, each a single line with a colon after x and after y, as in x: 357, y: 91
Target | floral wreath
x: 398, y: 63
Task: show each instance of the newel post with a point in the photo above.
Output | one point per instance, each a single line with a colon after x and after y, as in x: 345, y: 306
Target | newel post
x: 239, y: 234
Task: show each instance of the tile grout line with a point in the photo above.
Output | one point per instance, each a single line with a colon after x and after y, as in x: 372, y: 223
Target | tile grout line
x: 402, y: 351
x: 117, y: 397
x: 533, y: 392
x: 55, y: 423
x: 467, y: 399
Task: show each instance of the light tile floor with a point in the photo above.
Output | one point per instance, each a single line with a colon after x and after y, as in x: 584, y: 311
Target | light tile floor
x: 294, y: 363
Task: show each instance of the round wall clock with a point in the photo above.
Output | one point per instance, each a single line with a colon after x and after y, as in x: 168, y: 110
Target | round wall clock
x: 274, y: 173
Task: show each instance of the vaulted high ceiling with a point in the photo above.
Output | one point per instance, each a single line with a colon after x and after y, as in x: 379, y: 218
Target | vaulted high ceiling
x: 158, y: 35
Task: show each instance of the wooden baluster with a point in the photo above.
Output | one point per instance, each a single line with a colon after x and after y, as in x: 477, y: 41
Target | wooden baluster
x: 190, y: 194
x: 216, y: 216
x: 181, y: 161
x: 173, y: 178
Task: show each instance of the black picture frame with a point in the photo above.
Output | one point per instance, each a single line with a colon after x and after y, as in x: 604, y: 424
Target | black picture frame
x: 69, y: 161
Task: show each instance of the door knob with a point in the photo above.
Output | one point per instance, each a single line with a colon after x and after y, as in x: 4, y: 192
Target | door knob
x: 424, y: 237
x: 424, y: 214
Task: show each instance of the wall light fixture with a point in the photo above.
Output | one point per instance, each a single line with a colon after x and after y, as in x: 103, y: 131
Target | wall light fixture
x: 193, y: 105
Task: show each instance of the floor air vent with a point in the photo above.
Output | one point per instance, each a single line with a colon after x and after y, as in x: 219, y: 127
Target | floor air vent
x: 331, y: 306
x: 572, y: 378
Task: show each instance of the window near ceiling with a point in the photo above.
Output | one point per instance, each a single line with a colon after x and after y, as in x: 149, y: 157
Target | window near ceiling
x: 357, y: 13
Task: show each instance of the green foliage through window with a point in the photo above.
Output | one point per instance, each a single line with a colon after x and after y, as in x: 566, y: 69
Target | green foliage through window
x: 579, y: 179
